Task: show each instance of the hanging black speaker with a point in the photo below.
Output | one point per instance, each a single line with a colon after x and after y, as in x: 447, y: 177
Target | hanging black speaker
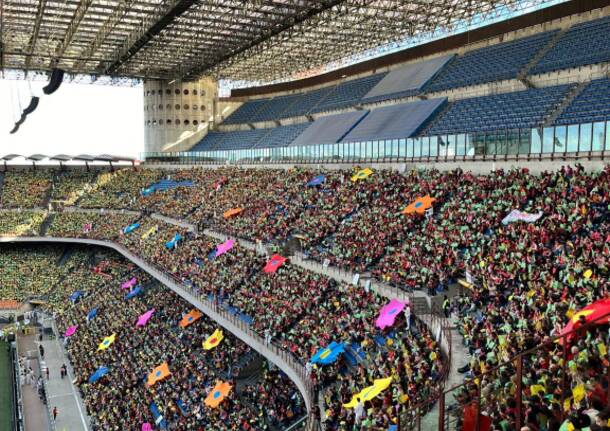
x: 32, y: 106
x: 21, y: 120
x: 57, y: 76
x: 14, y: 130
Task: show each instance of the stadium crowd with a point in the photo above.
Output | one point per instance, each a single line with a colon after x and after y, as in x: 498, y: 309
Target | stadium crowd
x: 528, y: 277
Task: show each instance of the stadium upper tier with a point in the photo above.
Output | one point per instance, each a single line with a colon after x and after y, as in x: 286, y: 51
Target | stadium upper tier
x: 583, y: 44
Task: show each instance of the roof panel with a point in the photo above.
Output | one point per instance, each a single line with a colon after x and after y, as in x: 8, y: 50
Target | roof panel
x: 261, y: 40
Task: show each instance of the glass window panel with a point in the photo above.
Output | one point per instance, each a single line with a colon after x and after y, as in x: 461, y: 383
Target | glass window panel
x: 434, y: 146
x: 409, y: 148
x: 573, y: 138
x: 607, y: 135
x: 416, y: 147
x: 560, y: 139
x: 547, y: 139
x: 585, y: 137
x: 425, y: 146
x: 460, y: 149
x: 536, y: 141
x: 451, y: 145
x: 512, y: 142
x: 598, y: 136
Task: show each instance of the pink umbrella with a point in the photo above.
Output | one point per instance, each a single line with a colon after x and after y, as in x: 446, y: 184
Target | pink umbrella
x: 145, y: 318
x: 129, y: 283
x: 70, y: 331
x: 146, y: 427
x: 224, y: 247
x: 389, y: 312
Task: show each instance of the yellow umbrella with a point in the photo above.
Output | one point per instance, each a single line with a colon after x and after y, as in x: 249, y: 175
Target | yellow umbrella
x: 379, y: 385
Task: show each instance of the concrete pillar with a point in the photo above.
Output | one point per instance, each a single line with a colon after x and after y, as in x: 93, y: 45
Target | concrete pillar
x: 177, y: 114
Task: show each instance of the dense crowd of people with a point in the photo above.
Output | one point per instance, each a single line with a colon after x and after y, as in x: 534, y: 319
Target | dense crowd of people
x: 526, y: 279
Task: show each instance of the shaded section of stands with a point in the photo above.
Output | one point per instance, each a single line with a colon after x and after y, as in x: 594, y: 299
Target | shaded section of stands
x: 329, y: 129
x: 282, y: 136
x: 492, y: 63
x: 519, y: 110
x: 245, y: 139
x: 407, y: 80
x: 396, y: 121
x: 348, y: 93
x: 592, y: 104
x: 581, y: 45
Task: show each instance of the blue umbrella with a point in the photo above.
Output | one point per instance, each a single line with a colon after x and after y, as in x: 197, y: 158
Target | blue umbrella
x: 101, y: 372
x: 92, y: 314
x: 135, y: 292
x: 74, y: 297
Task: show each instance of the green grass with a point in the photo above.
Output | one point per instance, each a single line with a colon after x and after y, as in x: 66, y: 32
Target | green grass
x: 6, y: 387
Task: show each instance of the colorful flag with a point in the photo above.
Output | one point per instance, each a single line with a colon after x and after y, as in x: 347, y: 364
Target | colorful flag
x: 150, y: 231
x: 419, y: 205
x: 274, y: 263
x: 91, y: 315
x: 516, y: 215
x: 144, y: 318
x: 173, y: 242
x: 147, y: 427
x: 213, y: 340
x: 592, y: 312
x: 220, y: 391
x: 131, y: 228
x: 70, y: 331
x: 158, y: 374
x: 388, y: 313
x: 190, y: 318
x: 328, y: 355
x: 106, y: 342
x: 133, y: 293
x: 159, y: 420
x: 368, y: 393
x: 316, y: 181
x: 76, y: 295
x: 232, y: 212
x: 362, y: 174
x: 129, y: 283
x: 224, y: 247
x: 99, y: 373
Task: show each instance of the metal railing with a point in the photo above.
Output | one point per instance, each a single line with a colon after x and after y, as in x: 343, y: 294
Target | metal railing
x: 561, y: 142
x: 448, y: 421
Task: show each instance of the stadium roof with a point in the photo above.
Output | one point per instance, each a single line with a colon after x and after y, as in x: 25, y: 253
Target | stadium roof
x: 258, y: 40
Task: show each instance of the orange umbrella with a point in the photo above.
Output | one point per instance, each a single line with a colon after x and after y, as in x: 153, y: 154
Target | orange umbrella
x: 220, y: 391
x: 158, y: 374
x: 190, y: 318
x: 232, y: 212
x: 420, y: 205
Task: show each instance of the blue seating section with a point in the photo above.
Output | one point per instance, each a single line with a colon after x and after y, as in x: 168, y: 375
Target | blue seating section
x: 348, y: 93
x: 591, y: 105
x: 211, y: 141
x: 520, y: 110
x: 245, y: 112
x: 305, y: 102
x: 282, y: 136
x: 492, y: 63
x: 273, y: 109
x: 244, y: 139
x: 581, y: 45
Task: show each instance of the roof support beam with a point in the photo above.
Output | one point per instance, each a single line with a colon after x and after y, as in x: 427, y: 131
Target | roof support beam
x: 287, y: 24
x: 178, y: 9
x: 79, y: 14
x: 34, y: 38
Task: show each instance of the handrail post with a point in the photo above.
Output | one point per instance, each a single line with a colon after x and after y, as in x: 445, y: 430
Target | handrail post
x: 441, y: 412
x: 518, y: 394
